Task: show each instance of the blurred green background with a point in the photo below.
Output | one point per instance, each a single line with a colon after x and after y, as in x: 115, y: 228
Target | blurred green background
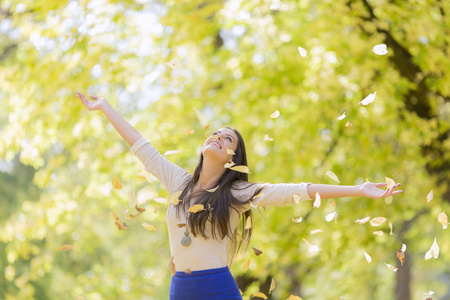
x: 237, y: 62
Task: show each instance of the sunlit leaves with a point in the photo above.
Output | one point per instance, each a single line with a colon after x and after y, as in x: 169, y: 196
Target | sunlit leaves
x: 174, y: 198
x: 212, y: 190
x: 118, y: 222
x: 229, y: 165
x: 65, y: 248
x: 368, y: 258
x: 202, y: 119
x: 390, y: 182
x: 302, y: 51
x: 369, y: 99
x: 275, y: 114
x: 293, y: 297
x: 380, y: 49
x: 260, y: 295
x: 196, y: 208
x: 116, y: 183
x: 377, y: 221
x: 148, y: 227
x: 443, y: 219
x: 430, y: 196
x: 391, y: 267
x: 242, y: 169
x: 433, y: 252
x: 332, y: 176
x: 230, y: 151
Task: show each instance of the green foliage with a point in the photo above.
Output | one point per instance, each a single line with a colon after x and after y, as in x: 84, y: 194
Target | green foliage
x: 239, y: 63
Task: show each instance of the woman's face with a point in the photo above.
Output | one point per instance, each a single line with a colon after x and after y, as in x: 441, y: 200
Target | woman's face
x: 217, y: 144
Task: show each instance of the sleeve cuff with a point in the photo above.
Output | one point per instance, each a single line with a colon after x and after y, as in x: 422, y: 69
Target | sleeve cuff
x: 303, y: 191
x: 138, y: 144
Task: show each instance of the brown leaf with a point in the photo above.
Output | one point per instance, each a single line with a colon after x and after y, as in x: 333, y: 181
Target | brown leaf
x: 65, y: 248
x: 257, y: 252
x: 172, y: 266
x: 401, y: 256
x: 181, y: 225
x: 148, y: 227
x: 260, y: 295
x: 118, y: 222
x: 196, y: 208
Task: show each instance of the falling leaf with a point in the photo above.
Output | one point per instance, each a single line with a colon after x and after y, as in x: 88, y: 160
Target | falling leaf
x: 341, y: 117
x: 317, y: 201
x: 149, y: 275
x: 212, y: 190
x: 311, y: 248
x: 379, y: 233
x: 240, y: 292
x: 363, y: 221
x: 230, y: 151
x: 144, y: 175
x: 403, y: 248
x: 174, y: 198
x: 256, y: 251
x: 302, y: 51
x: 433, y: 252
x: 430, y: 196
x: 245, y: 264
x: 181, y: 225
x: 118, y: 222
x: 132, y: 201
x: 196, y: 208
x: 228, y: 165
x: 131, y: 217
x: 240, y: 236
x: 332, y: 202
x: 254, y: 205
x: 348, y: 124
x: 172, y: 266
x: 293, y: 297
x: 174, y: 64
x: 330, y: 217
x: 380, y: 49
x: 148, y: 227
x: 369, y: 259
x: 188, y: 271
x: 316, y: 231
x: 248, y: 223
x: 369, y: 99
x: 267, y: 138
x: 296, y: 198
x: 275, y: 114
x: 257, y: 196
x: 260, y: 295
x: 443, y: 219
x: 160, y: 200
x: 272, y: 285
x: 172, y: 152
x: 242, y: 169
x: 295, y: 220
x: 188, y: 131
x: 391, y: 267
x: 202, y: 119
x: 377, y: 221
x: 332, y: 176
x: 401, y: 256
x: 390, y: 226
x: 65, y: 248
x: 430, y: 293
x: 116, y: 183
x: 390, y: 182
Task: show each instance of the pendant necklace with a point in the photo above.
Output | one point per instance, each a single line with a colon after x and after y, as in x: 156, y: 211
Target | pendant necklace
x: 186, y: 240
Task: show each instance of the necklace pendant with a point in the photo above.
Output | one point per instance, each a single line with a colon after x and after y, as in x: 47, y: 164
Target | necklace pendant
x: 185, y: 241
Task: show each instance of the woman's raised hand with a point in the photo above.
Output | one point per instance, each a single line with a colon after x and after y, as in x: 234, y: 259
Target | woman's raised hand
x: 92, y: 105
x: 371, y: 190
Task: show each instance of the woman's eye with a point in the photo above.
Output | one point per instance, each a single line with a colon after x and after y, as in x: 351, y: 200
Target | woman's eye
x: 229, y: 139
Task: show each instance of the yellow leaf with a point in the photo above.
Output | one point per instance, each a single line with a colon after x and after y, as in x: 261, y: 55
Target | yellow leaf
x: 188, y: 131
x: 377, y: 221
x: 332, y: 202
x: 230, y: 151
x: 443, y: 219
x: 202, y: 119
x: 132, y: 201
x: 212, y: 190
x: 275, y: 114
x: 228, y: 165
x: 116, y: 183
x: 240, y: 292
x: 379, y: 233
x: 259, y: 195
x: 188, y: 271
x: 196, y: 208
x: 172, y: 266
x: 245, y: 264
x: 272, y: 285
x: 316, y: 231
x: 293, y: 297
x: 248, y: 223
x: 390, y: 182
x: 65, y: 248
x: 242, y: 169
x: 174, y: 198
x: 332, y: 176
x: 160, y: 200
x: 260, y: 295
x: 363, y: 221
x: 390, y: 226
x: 148, y: 227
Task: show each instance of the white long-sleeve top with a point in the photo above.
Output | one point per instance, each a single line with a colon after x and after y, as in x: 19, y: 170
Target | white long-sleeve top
x: 208, y: 253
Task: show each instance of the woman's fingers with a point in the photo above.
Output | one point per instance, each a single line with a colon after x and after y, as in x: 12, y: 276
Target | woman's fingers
x: 381, y: 184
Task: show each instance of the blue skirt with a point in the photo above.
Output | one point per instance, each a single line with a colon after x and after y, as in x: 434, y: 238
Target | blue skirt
x: 211, y: 284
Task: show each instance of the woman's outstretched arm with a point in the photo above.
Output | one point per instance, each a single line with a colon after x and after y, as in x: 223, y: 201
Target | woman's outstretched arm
x: 368, y: 189
x: 128, y: 132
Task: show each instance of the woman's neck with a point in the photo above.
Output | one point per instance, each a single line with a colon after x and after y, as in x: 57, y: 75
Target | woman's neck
x: 209, y: 176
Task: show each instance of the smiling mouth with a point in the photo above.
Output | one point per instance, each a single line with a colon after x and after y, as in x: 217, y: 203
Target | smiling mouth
x: 216, y: 144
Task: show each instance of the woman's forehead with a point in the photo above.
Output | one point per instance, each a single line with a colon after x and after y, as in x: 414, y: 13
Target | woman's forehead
x: 228, y: 131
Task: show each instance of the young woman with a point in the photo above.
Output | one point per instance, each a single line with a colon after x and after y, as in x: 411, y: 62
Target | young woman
x: 204, y: 243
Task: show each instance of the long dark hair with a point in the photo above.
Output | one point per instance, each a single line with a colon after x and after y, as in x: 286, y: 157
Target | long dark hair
x: 218, y: 204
